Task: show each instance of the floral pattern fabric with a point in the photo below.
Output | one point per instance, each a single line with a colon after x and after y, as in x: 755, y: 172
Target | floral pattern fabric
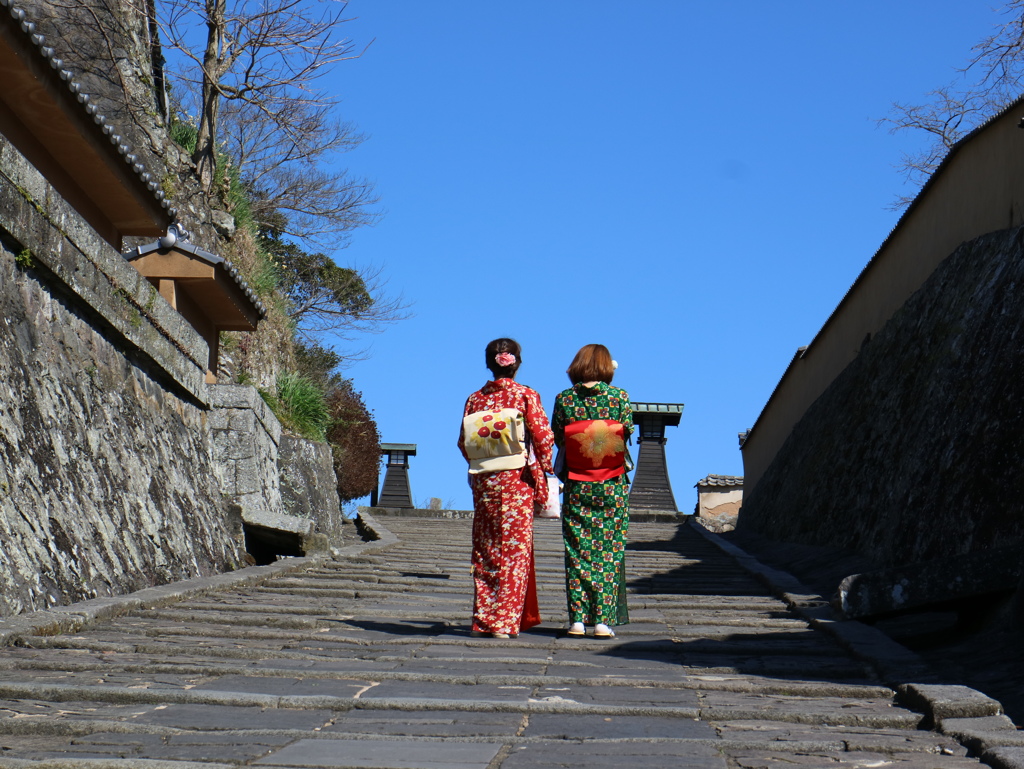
x: 504, y: 578
x: 595, y: 514
x: 595, y: 449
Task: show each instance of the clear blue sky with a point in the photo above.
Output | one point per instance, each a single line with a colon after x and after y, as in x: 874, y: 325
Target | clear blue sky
x: 694, y: 185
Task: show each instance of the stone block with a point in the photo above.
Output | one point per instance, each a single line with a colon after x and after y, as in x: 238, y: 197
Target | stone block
x: 929, y: 582
x: 382, y: 754
x: 232, y: 396
x: 309, y: 486
x: 248, y: 400
x: 233, y: 446
x: 940, y: 701
x: 218, y: 419
x: 243, y: 421
x: 1004, y: 758
x: 248, y: 478
x: 270, y: 519
x: 981, y: 734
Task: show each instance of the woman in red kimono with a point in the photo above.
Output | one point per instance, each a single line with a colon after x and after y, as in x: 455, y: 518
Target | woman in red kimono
x: 505, y: 483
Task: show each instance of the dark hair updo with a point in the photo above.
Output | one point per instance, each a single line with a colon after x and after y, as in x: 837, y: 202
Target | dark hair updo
x: 497, y: 347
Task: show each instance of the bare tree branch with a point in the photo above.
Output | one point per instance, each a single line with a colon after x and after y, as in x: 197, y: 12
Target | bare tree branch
x: 951, y: 112
x: 282, y: 167
x: 1000, y: 57
x: 251, y: 69
x: 266, y: 55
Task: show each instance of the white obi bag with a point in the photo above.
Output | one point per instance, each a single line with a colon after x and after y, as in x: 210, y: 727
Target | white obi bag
x: 494, y: 440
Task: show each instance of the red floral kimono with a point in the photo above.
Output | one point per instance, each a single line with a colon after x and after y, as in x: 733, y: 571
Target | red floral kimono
x: 505, y: 597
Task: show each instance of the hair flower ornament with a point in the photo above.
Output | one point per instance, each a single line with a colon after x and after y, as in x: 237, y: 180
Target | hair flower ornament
x: 505, y: 359
x: 615, y: 364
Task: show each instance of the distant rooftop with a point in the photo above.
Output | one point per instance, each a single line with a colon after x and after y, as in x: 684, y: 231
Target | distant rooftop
x: 720, y: 480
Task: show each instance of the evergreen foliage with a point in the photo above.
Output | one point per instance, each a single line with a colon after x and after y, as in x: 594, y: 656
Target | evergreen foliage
x: 319, y: 364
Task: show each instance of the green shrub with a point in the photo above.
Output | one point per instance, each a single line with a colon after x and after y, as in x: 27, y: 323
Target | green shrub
x: 299, y: 405
x: 184, y: 134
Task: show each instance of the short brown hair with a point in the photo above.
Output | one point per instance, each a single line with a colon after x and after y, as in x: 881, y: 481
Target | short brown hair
x: 499, y: 346
x: 593, y: 363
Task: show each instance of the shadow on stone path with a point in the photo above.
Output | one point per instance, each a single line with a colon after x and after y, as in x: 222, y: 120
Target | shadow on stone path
x: 366, y: 661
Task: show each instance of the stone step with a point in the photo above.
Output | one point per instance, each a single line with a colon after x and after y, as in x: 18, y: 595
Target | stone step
x: 366, y: 661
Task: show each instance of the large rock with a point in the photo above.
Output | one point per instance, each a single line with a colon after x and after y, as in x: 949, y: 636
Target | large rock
x: 309, y: 488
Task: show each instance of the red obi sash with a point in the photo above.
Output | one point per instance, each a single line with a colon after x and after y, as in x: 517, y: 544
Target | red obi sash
x: 595, y: 449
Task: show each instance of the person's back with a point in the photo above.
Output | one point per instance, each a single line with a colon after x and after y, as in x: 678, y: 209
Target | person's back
x: 506, y: 486
x: 592, y: 422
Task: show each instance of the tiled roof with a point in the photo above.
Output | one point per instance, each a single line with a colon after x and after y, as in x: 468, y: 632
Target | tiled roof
x: 178, y: 238
x: 407, y: 447
x: 720, y: 480
x: 658, y: 408
x: 64, y: 78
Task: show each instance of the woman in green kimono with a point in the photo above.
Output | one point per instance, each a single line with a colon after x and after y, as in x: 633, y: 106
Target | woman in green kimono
x: 592, y: 422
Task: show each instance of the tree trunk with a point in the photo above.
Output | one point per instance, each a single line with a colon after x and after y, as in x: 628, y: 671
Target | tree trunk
x: 205, y: 156
x: 157, y: 61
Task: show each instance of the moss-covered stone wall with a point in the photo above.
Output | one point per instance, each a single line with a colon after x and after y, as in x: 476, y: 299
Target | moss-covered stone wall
x: 107, y: 479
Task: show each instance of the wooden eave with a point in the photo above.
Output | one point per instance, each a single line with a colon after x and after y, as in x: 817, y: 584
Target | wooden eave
x: 206, y: 280
x: 227, y: 307
x: 44, y: 115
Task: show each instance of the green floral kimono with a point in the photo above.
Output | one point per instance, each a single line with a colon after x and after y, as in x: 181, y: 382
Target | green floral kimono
x: 595, y: 514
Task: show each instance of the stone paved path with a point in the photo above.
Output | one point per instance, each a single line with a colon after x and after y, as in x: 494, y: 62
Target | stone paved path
x: 367, y: 661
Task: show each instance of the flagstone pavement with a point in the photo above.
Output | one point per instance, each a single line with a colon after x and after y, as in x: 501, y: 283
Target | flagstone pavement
x: 365, y: 660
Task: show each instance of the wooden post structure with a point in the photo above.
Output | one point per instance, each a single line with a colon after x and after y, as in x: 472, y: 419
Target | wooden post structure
x: 396, y: 491
x: 652, y: 489
x: 206, y: 289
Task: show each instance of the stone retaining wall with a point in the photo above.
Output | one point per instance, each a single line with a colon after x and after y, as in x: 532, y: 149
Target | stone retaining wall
x: 283, y: 487
x: 916, y: 450
x: 107, y: 479
x: 120, y: 468
x: 309, y: 489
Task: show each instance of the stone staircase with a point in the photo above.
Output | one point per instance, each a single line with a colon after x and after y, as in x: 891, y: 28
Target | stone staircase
x: 366, y: 660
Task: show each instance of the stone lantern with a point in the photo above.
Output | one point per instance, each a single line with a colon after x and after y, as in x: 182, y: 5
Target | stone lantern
x: 396, y: 491
x: 651, y: 488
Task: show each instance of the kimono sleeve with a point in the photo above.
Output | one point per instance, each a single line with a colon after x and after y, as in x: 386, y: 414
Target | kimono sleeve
x: 558, y: 420
x: 540, y: 430
x: 626, y: 416
x: 462, y: 438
